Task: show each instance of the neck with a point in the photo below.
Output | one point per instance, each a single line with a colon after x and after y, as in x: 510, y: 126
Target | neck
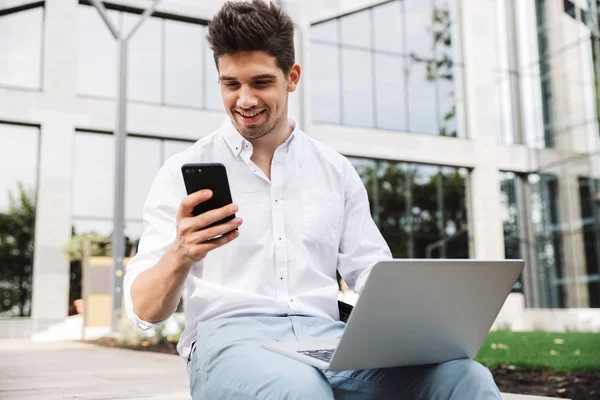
x: 266, y: 145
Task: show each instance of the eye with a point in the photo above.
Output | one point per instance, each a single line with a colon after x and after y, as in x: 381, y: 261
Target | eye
x: 261, y: 83
x: 231, y: 85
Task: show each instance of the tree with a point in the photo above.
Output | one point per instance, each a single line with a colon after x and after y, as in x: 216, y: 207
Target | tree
x: 440, y: 66
x: 17, y: 228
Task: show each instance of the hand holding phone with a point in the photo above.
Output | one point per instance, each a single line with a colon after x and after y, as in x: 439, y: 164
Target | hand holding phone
x: 206, y: 217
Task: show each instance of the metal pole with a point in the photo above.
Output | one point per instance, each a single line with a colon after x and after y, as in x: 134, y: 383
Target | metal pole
x: 118, y: 238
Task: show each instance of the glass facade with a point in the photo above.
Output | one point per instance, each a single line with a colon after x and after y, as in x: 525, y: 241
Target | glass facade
x: 169, y: 61
x: 419, y: 209
x: 93, y: 180
x: 21, y: 47
x: 395, y: 66
x: 589, y: 195
x: 18, y: 187
x: 547, y: 140
x: 513, y: 237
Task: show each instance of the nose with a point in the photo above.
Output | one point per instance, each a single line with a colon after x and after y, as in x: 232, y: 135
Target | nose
x: 247, y: 99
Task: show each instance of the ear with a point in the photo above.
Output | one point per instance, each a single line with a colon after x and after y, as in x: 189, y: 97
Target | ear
x: 294, y: 78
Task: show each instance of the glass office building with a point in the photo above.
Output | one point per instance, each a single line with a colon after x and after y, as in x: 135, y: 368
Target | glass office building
x: 474, y: 126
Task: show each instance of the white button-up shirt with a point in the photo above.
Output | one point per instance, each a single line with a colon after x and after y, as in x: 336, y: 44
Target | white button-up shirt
x: 311, y: 218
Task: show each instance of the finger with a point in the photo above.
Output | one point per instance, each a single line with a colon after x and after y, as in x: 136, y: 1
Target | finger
x: 205, y: 235
x: 205, y: 219
x: 191, y: 201
x: 212, y: 244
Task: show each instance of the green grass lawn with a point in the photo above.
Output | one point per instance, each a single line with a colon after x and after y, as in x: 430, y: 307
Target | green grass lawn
x: 567, y: 351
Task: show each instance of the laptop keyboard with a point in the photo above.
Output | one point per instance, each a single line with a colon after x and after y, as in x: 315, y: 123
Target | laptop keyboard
x: 322, y: 354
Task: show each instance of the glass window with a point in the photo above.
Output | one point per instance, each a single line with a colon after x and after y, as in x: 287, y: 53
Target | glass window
x: 426, y: 211
x: 93, y: 180
x: 213, y: 89
x: 387, y: 23
x: 510, y: 217
x: 548, y: 239
x: 419, y: 209
x: 97, y: 58
x: 356, y: 29
x: 390, y: 92
x: 448, y: 106
x: 569, y: 8
x: 357, y: 87
x: 145, y: 59
x: 143, y: 162
x: 21, y: 48
x: 93, y: 175
x: 325, y: 83
x: 589, y: 196
x: 418, y: 19
x: 18, y: 181
x: 384, y: 46
x: 422, y: 116
x: 168, y: 62
x: 184, y: 67
x: 392, y: 202
x: 173, y: 147
x: 18, y: 161
x: 326, y: 31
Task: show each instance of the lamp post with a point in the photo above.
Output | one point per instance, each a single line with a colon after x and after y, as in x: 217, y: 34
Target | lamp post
x: 118, y: 239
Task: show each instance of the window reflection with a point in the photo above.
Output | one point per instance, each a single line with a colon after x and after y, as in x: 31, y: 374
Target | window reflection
x: 419, y: 209
x: 19, y: 147
x: 356, y: 29
x: 93, y: 179
x: 390, y: 88
x: 357, y: 87
x: 184, y: 66
x: 422, y: 116
x: 168, y: 60
x: 21, y: 48
x: 97, y: 58
x: 548, y: 239
x: 406, y: 77
x: 589, y: 197
x: 325, y: 83
x: 144, y: 67
x: 510, y: 217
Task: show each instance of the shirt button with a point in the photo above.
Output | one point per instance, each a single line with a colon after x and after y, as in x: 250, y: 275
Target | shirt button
x: 281, y: 278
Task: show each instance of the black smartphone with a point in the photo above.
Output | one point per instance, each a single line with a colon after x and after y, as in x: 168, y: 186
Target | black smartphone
x: 211, y: 176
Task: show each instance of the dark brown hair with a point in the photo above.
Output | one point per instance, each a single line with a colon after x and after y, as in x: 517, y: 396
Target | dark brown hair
x: 253, y: 26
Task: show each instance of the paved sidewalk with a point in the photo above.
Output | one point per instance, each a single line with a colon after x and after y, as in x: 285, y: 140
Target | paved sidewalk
x: 68, y: 370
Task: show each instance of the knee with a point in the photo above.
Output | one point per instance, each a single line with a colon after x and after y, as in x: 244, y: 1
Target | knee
x: 475, y: 372
x: 470, y: 379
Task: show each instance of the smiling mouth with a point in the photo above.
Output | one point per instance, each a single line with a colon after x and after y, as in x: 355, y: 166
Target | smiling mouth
x: 250, y: 117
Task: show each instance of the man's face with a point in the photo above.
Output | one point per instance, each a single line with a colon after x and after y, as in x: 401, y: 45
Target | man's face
x: 255, y: 91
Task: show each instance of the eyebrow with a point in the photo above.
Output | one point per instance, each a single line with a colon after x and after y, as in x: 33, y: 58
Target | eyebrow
x: 254, y: 78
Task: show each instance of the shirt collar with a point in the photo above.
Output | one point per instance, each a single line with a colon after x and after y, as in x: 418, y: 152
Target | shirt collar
x: 236, y: 142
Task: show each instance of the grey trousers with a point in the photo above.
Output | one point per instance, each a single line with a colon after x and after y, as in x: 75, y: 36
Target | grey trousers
x: 229, y: 363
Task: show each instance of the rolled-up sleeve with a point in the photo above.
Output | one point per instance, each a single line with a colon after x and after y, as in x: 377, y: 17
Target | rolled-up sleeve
x: 361, y: 245
x: 160, y: 218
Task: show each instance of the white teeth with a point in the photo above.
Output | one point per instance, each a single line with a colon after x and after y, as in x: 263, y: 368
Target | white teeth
x: 249, y: 115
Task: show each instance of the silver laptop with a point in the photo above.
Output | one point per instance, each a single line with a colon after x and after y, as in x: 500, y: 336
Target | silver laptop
x: 415, y: 312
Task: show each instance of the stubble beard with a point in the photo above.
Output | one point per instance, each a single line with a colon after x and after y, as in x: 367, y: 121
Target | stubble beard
x: 247, y: 135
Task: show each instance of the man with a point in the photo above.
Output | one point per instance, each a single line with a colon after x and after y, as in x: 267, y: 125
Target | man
x: 305, y: 215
